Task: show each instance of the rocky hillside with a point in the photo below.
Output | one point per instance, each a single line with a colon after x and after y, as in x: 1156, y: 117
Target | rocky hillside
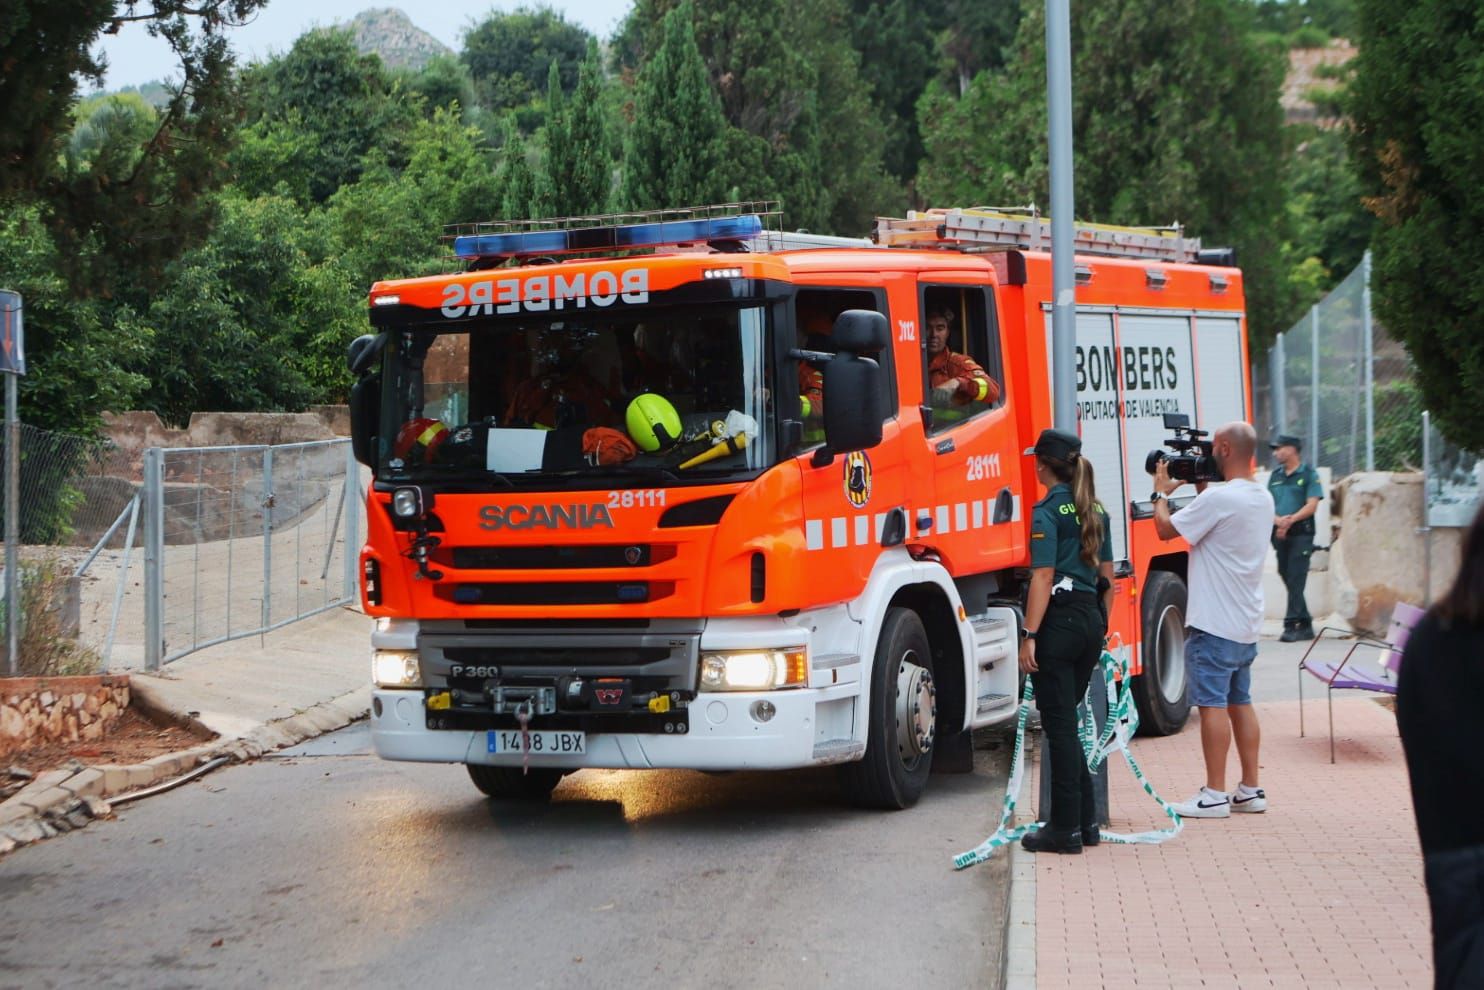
x: 391, y: 34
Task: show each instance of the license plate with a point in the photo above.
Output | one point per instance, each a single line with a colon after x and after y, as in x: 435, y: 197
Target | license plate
x: 545, y: 743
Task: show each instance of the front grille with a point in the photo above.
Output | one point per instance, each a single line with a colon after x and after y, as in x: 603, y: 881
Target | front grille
x: 560, y: 592
x: 557, y: 557
x: 557, y: 656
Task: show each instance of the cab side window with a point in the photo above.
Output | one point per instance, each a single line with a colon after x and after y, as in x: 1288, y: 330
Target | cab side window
x: 962, y: 371
x: 814, y: 315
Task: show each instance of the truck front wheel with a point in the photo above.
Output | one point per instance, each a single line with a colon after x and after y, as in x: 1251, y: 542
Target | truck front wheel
x: 902, y: 720
x: 509, y: 784
x: 1161, y: 691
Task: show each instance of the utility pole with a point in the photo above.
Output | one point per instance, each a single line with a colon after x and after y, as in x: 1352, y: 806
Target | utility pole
x: 12, y: 366
x: 1063, y: 273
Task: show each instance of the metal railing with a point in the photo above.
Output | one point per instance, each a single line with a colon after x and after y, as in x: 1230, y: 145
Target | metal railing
x: 242, y: 540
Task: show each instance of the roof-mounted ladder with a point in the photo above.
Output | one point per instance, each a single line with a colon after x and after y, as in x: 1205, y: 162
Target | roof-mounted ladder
x: 1024, y: 229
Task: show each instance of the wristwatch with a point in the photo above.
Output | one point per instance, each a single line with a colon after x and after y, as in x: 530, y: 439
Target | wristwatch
x: 1027, y: 634
x: 1156, y: 497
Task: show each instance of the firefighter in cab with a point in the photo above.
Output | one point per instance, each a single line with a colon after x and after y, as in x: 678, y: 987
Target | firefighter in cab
x: 560, y: 393
x: 1066, y: 623
x: 955, y: 379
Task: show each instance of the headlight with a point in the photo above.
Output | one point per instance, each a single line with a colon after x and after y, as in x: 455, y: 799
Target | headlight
x: 754, y: 670
x: 396, y: 669
x: 407, y: 503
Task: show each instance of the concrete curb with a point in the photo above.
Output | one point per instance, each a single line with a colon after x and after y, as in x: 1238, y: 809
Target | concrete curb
x: 1020, y: 935
x: 62, y: 800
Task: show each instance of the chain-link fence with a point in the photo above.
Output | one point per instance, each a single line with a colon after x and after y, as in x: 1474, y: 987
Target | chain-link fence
x: 241, y: 540
x: 1340, y: 382
x: 68, y: 503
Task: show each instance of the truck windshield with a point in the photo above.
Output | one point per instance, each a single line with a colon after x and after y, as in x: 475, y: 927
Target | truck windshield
x: 641, y: 397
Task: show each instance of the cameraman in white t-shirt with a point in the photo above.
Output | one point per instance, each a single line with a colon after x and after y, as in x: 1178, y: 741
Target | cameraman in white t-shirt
x: 1227, y: 528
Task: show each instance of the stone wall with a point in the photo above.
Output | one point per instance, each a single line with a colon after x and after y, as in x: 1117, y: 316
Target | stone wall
x: 133, y: 432
x: 1379, y: 558
x: 59, y: 709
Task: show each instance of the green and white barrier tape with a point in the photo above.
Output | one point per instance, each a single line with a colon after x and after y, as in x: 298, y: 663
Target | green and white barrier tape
x: 1122, y: 721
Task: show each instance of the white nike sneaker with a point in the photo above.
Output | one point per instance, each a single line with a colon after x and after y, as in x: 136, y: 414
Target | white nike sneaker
x: 1252, y: 803
x: 1206, y: 804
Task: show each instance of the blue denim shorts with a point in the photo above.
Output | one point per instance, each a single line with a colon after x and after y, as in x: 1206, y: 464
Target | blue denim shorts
x: 1220, y: 670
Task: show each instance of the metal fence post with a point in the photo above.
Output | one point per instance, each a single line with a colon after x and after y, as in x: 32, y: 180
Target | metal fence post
x: 1426, y: 528
x: 267, y: 537
x: 13, y: 590
x: 1276, y: 365
x: 1313, y: 438
x: 352, y: 520
x: 154, y: 557
x: 1370, y: 363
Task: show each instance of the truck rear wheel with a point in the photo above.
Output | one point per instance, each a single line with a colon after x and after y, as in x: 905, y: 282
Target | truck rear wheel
x: 509, y: 784
x: 902, y: 720
x: 1161, y: 691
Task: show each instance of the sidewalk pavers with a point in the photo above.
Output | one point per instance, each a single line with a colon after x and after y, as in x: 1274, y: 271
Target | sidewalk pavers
x: 1323, y: 890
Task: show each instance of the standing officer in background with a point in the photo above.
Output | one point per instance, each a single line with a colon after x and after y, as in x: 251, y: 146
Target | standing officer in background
x: 1066, y: 622
x: 1296, y: 492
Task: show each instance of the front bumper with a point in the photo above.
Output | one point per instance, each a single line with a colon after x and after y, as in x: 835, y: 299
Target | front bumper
x: 810, y: 727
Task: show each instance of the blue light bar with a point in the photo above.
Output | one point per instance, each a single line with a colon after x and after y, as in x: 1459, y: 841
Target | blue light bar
x: 543, y: 242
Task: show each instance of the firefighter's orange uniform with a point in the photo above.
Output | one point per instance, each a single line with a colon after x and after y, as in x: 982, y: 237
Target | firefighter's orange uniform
x: 537, y: 399
x: 974, y: 383
x: 811, y: 391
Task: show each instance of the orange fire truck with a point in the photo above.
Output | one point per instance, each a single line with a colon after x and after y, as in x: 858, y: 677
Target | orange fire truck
x: 672, y: 492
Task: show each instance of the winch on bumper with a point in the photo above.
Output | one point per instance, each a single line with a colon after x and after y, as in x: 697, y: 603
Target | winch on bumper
x: 634, y: 693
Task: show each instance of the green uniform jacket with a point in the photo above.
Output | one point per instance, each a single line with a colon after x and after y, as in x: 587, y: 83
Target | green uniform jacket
x: 1291, y: 492
x: 1056, y: 540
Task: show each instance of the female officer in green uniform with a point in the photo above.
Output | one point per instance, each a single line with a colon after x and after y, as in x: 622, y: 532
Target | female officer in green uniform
x: 1066, y: 620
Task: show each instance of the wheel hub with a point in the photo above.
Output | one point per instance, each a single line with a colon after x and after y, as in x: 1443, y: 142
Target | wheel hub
x: 1169, y: 654
x: 917, y: 710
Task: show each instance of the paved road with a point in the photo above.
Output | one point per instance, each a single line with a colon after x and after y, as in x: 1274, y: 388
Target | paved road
x: 327, y: 867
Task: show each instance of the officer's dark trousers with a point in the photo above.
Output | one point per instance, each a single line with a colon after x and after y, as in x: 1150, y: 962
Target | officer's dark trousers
x: 1293, y: 567
x: 1068, y: 645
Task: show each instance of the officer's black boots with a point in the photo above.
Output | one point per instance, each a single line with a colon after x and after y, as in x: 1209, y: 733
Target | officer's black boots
x: 1056, y: 840
x: 1091, y: 835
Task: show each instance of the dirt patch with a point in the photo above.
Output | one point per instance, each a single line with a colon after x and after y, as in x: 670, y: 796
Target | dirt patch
x: 134, y: 740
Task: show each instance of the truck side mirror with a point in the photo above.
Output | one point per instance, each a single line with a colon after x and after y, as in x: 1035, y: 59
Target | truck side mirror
x: 365, y: 414
x: 363, y: 352
x: 853, y: 387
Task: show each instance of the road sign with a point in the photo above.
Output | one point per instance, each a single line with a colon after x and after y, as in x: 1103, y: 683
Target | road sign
x: 12, y: 334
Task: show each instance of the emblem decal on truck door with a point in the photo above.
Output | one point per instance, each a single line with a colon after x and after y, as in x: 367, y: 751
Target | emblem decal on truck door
x: 858, y: 478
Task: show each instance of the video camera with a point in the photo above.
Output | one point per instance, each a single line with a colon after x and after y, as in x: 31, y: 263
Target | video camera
x: 1193, y: 461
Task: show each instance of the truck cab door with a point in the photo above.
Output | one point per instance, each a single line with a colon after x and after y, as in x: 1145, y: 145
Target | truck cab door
x: 976, y: 496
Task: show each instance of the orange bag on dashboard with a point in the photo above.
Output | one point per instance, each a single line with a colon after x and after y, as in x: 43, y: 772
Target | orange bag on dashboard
x: 603, y: 446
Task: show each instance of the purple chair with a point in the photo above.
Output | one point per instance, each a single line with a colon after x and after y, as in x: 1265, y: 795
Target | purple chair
x: 1348, y: 676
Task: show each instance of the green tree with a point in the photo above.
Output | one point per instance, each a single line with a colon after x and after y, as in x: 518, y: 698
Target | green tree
x: 515, y: 179
x: 224, y: 323
x: 672, y: 153
x: 1417, y: 98
x: 48, y: 48
x: 508, y: 55
x: 791, y: 88
x: 316, y: 113
x: 1331, y: 228
x: 442, y: 81
x: 78, y: 359
x: 1176, y: 117
x: 577, y: 177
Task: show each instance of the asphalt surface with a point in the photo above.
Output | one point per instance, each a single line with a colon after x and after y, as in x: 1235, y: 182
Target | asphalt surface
x: 324, y: 866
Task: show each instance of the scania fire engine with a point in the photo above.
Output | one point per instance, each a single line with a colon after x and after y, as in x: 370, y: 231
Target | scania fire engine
x: 674, y: 492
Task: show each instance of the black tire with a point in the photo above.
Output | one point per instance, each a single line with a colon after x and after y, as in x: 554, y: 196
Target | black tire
x: 886, y: 777
x: 1162, y: 691
x: 509, y: 784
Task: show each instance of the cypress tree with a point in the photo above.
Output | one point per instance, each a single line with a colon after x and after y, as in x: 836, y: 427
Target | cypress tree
x: 578, y: 173
x: 517, y: 183
x: 672, y: 154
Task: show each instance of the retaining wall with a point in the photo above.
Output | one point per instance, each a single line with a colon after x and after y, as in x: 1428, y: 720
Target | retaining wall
x: 59, y: 709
